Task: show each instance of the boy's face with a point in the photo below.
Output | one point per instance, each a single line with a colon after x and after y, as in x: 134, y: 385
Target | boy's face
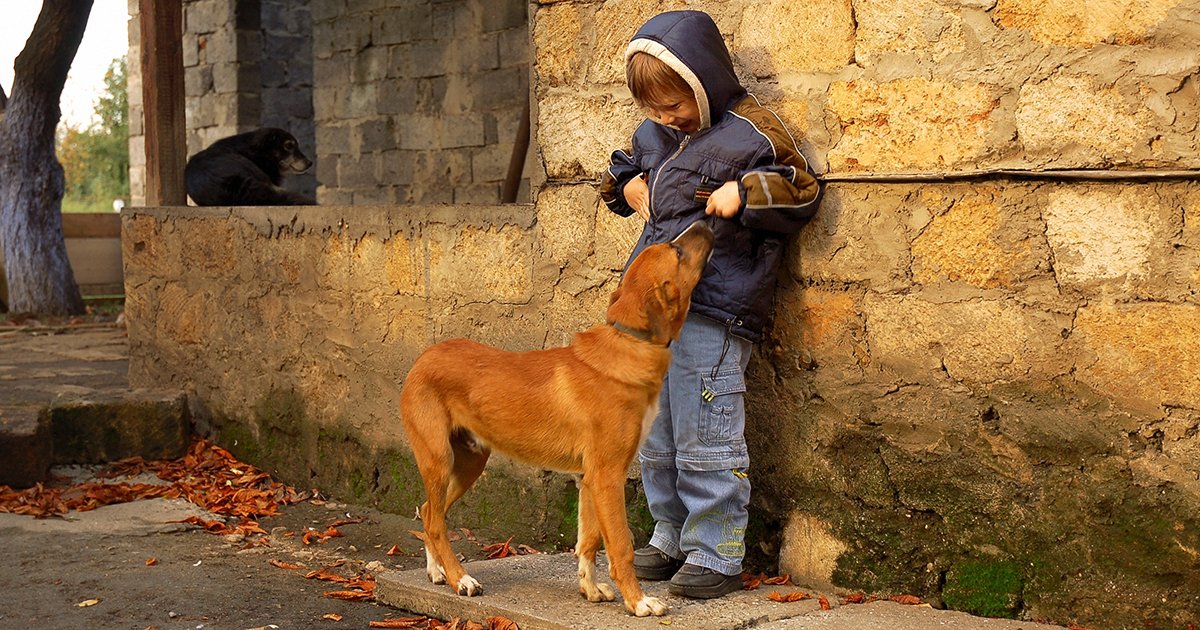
x: 677, y: 110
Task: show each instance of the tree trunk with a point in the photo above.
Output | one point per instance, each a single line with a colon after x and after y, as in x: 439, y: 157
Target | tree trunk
x: 39, y: 275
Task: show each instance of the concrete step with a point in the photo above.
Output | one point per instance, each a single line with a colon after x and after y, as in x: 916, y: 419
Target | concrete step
x: 540, y: 592
x: 91, y: 428
x: 26, y: 446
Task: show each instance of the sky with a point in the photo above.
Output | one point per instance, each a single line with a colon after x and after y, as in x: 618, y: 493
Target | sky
x: 106, y: 38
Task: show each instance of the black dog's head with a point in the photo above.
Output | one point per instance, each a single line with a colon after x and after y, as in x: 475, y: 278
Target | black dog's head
x: 284, y: 149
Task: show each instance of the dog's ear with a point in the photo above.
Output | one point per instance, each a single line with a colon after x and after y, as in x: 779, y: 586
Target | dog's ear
x: 662, y: 312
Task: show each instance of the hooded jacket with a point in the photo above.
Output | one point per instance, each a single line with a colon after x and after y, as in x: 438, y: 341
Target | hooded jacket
x: 737, y: 140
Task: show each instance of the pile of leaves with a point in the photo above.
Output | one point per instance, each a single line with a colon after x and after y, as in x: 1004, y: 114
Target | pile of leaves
x: 208, y: 476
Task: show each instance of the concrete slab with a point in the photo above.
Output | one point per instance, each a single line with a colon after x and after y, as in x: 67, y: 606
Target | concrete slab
x: 540, y: 592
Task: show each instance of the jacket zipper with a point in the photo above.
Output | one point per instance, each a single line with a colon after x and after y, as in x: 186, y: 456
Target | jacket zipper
x: 662, y: 167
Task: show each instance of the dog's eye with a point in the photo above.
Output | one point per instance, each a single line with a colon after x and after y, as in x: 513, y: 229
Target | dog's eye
x: 678, y: 251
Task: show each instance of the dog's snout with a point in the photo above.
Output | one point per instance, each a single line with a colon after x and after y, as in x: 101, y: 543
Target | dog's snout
x: 697, y: 237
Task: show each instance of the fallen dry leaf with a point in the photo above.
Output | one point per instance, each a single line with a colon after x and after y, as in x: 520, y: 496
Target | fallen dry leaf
x: 907, y: 600
x: 418, y: 535
x: 501, y: 623
x: 400, y: 622
x: 394, y: 550
x: 499, y: 550
x: 87, y: 602
x: 794, y: 596
x: 824, y: 603
x: 332, y: 616
x: 285, y: 565
x: 858, y: 598
x: 353, y: 596
x: 151, y: 561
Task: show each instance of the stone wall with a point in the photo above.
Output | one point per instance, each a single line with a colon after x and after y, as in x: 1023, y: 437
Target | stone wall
x: 978, y: 391
x: 396, y: 102
x: 418, y: 101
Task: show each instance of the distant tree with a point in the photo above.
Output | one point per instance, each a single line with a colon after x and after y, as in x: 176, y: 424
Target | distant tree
x: 95, y: 159
x: 39, y: 275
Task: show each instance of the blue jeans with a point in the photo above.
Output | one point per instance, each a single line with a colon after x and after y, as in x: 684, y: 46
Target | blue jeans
x: 694, y: 461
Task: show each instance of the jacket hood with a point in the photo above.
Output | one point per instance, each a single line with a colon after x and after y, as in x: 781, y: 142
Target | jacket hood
x: 690, y: 43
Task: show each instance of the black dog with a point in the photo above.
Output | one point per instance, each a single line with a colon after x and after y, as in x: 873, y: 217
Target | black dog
x: 246, y: 170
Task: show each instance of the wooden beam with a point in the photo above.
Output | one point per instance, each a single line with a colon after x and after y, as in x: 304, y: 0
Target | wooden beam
x: 163, y: 106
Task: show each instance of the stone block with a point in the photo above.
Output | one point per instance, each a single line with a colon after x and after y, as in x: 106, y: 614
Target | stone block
x: 1105, y: 235
x: 1071, y: 121
x: 26, y: 446
x: 911, y: 123
x: 578, y: 133
x: 924, y: 29
x: 972, y: 341
x: 809, y: 552
x: 1145, y: 355
x: 615, y: 235
x: 1085, y: 24
x: 566, y: 220
x: 462, y: 131
x: 401, y: 25
x: 858, y: 235
x: 782, y: 36
x: 503, y: 14
x: 615, y: 23
x: 490, y: 163
x: 374, y: 135
x: 478, y: 193
x: 481, y: 265
x: 152, y: 425
x: 398, y: 96
x: 558, y: 44
x: 984, y: 239
x: 398, y: 167
x: 369, y: 65
x: 419, y: 132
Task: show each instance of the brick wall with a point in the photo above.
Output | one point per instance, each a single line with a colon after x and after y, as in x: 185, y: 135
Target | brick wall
x: 418, y: 101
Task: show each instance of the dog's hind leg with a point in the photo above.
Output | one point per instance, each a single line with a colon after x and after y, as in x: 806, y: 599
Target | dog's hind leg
x: 608, y: 498
x: 586, y: 546
x: 428, y: 427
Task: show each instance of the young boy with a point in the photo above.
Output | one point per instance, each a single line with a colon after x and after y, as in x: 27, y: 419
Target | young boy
x: 707, y: 149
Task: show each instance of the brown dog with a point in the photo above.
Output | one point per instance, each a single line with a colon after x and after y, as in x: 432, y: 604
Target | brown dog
x: 583, y: 409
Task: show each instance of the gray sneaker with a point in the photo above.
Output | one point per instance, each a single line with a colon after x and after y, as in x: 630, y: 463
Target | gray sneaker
x: 702, y: 583
x: 649, y: 563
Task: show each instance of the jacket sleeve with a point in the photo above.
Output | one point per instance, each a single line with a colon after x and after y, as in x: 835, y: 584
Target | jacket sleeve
x: 621, y: 169
x: 780, y: 193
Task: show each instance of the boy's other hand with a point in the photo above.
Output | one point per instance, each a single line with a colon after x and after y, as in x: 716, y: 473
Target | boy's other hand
x: 724, y: 201
x: 637, y: 195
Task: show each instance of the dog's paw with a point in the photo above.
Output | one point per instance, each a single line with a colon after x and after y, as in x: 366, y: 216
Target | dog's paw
x: 437, y: 575
x: 596, y: 592
x: 650, y: 606
x: 469, y: 586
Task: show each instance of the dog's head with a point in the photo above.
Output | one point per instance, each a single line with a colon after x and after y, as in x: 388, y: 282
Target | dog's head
x: 654, y: 295
x: 285, y: 149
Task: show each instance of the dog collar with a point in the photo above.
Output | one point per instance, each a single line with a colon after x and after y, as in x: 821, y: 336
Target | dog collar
x: 644, y: 335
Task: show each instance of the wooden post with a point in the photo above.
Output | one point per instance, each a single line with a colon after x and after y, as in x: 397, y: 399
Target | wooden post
x: 163, y: 106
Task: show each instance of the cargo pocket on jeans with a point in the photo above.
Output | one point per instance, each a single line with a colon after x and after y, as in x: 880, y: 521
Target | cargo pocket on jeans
x: 719, y: 414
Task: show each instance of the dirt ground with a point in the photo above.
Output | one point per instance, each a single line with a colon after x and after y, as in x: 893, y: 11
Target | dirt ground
x: 198, y: 579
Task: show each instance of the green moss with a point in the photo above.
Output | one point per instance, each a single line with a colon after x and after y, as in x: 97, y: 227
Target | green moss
x: 989, y: 589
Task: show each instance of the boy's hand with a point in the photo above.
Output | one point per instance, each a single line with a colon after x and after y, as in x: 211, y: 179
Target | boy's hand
x: 637, y: 195
x: 724, y: 201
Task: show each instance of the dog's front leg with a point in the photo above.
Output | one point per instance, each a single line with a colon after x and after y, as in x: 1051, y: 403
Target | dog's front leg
x: 586, y: 545
x: 608, y: 500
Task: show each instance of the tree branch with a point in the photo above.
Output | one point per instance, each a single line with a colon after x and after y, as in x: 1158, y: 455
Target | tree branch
x: 3, y: 100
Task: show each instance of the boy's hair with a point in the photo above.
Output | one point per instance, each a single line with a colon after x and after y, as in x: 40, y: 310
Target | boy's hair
x: 653, y: 82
